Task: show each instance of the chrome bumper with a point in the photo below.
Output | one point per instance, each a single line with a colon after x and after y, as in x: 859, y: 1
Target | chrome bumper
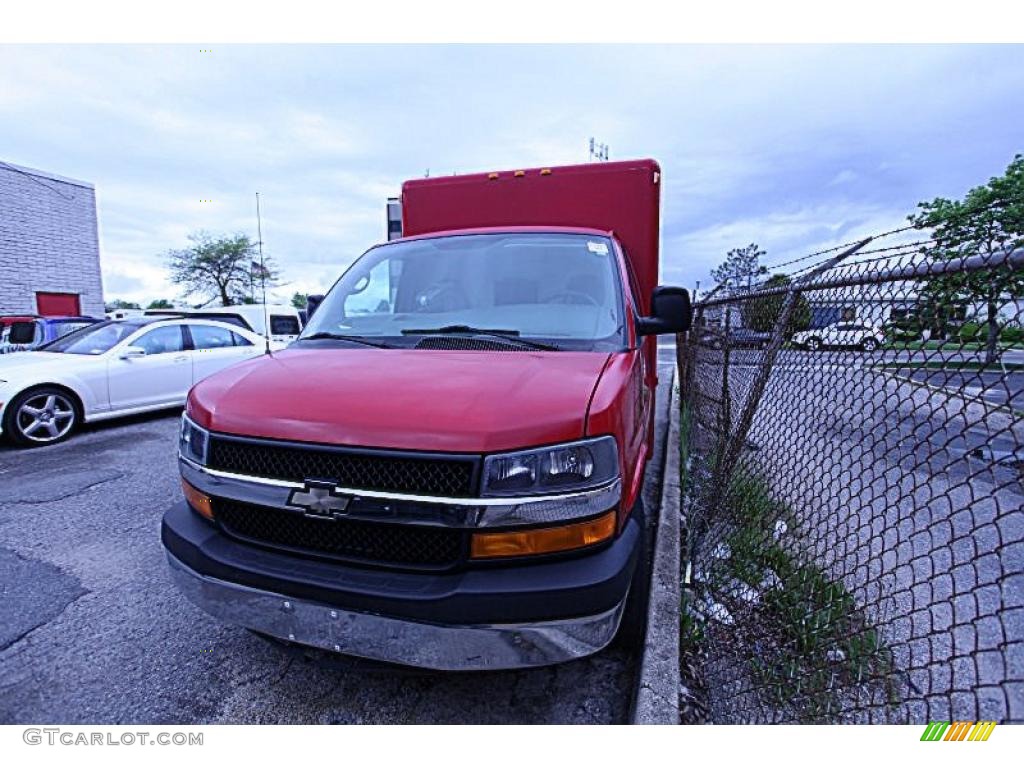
x: 398, y: 641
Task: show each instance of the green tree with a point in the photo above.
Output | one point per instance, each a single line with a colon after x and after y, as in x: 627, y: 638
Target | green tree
x: 222, y: 268
x: 988, y: 222
x: 740, y: 267
x: 121, y: 304
x: 299, y: 300
x: 160, y: 304
x: 762, y: 312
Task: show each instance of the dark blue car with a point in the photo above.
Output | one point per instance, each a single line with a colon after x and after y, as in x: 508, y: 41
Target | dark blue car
x: 26, y: 334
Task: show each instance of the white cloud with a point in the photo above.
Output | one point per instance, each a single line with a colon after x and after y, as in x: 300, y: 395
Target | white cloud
x: 845, y: 176
x: 796, y: 148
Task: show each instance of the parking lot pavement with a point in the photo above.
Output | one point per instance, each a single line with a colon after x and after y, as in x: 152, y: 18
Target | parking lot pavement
x: 91, y: 629
x: 666, y: 353
x: 993, y: 387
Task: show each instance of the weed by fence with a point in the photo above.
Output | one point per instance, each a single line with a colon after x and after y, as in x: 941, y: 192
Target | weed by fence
x: 855, y: 525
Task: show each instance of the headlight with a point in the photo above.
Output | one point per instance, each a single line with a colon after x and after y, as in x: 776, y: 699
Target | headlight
x: 193, y: 441
x: 568, y: 467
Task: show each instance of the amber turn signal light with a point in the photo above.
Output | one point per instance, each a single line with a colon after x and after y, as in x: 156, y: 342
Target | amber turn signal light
x: 540, y: 541
x: 198, y: 500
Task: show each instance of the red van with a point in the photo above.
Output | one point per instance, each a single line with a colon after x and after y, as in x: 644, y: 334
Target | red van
x: 444, y: 470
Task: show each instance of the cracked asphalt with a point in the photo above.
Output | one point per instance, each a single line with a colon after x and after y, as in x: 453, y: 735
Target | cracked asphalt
x: 92, y: 631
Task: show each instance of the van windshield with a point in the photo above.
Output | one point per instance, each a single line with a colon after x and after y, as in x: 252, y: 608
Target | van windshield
x: 559, y: 289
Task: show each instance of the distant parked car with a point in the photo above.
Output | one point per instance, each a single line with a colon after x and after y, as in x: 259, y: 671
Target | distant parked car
x: 739, y: 338
x: 123, y: 314
x: 841, y: 335
x: 6, y: 321
x: 113, y: 368
x: 25, y: 333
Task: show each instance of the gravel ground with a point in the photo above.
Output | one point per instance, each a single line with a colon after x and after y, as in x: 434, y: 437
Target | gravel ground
x: 92, y: 631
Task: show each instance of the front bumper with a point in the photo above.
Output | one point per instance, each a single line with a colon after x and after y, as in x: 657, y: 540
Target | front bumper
x: 493, y: 617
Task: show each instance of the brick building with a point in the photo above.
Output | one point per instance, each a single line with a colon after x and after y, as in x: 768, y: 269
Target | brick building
x: 49, y: 246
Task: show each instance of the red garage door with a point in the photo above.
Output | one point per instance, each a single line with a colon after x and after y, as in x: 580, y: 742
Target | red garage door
x: 50, y: 304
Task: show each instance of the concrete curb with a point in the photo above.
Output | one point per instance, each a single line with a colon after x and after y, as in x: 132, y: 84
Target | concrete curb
x: 657, y: 686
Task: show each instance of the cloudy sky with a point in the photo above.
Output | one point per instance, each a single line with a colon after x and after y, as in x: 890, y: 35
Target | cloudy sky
x: 795, y: 148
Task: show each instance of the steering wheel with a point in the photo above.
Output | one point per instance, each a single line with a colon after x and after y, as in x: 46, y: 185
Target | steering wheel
x: 442, y: 296
x: 574, y: 298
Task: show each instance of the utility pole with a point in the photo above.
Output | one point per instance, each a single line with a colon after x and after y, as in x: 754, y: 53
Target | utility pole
x: 598, y: 151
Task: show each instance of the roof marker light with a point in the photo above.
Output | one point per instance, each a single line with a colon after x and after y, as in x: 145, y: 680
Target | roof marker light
x: 517, y: 174
x: 545, y: 171
x: 492, y: 175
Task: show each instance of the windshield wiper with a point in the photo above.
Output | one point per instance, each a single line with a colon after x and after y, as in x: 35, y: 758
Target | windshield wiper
x: 468, y: 330
x: 344, y: 337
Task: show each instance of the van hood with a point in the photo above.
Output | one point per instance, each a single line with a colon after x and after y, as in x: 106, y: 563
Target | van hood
x: 406, y: 399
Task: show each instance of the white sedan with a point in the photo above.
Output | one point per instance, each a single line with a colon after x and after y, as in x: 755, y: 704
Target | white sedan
x: 852, y: 335
x: 113, y: 368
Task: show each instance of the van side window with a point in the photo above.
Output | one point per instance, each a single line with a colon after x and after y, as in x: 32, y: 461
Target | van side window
x: 633, y: 289
x: 284, y: 325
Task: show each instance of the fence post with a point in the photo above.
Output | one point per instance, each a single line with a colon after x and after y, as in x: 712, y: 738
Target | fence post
x: 686, y: 385
x: 725, y: 412
x: 682, y: 362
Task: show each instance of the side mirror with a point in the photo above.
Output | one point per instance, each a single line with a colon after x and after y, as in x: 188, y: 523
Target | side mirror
x: 670, y: 312
x: 312, y: 302
x: 129, y: 352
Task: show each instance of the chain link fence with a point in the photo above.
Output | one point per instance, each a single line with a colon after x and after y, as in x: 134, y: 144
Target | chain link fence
x: 854, y: 439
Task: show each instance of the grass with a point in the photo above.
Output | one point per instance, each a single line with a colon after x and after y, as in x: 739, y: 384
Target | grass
x: 691, y: 631
x: 684, y: 437
x: 814, y: 640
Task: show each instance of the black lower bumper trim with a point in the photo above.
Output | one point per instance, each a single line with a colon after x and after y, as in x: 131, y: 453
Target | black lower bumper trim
x: 584, y: 585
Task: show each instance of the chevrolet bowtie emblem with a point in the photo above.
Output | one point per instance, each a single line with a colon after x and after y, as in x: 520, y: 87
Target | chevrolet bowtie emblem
x: 319, y: 500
